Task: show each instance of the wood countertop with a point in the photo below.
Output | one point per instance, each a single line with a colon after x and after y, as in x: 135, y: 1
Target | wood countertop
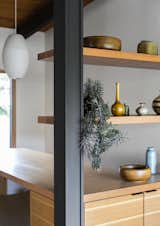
x: 103, y: 185
x: 34, y: 171
x: 31, y: 169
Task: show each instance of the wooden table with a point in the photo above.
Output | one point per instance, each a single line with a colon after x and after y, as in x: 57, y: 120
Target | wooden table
x: 34, y: 171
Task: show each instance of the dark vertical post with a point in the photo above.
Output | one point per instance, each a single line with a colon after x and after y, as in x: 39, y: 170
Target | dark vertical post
x: 68, y: 184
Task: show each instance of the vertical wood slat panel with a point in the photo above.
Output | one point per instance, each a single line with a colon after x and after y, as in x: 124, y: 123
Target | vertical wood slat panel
x: 120, y: 211
x: 41, y: 210
x: 152, y: 208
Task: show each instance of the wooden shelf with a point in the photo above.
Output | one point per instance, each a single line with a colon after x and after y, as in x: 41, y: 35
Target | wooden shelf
x: 114, y: 120
x: 46, y: 119
x: 47, y: 55
x: 112, y: 58
x: 135, y: 119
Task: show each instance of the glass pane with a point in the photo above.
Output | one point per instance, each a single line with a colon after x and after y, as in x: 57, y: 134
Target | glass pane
x: 5, y: 107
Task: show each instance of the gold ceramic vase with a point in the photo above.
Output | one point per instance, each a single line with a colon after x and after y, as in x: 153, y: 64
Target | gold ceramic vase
x: 118, y: 109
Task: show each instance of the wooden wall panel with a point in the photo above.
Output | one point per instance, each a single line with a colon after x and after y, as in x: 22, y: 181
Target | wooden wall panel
x: 120, y: 211
x: 152, y: 208
x: 41, y: 210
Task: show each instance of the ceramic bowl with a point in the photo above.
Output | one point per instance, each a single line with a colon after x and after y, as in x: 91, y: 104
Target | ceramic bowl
x: 135, y: 172
x: 103, y: 42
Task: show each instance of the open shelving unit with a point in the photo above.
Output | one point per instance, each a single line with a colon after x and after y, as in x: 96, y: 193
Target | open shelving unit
x: 112, y: 58
x: 114, y: 120
x: 104, y: 57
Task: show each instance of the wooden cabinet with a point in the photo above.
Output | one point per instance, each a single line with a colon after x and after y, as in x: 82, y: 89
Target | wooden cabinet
x: 120, y: 211
x: 41, y: 210
x: 152, y: 208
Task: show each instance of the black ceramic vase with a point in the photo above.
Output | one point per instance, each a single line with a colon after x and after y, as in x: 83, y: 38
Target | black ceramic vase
x: 156, y: 105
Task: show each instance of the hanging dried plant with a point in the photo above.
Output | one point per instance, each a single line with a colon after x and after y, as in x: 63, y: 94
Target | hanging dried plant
x: 97, y: 134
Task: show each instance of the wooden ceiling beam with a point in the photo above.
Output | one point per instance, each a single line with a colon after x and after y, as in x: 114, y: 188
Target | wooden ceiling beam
x: 86, y: 2
x: 42, y: 20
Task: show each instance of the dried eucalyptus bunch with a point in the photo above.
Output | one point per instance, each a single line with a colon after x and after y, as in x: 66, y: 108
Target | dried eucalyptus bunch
x: 97, y: 134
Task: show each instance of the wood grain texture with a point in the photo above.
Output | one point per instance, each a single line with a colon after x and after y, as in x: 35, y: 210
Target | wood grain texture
x: 31, y: 169
x: 114, y: 120
x: 3, y: 186
x: 46, y: 119
x: 152, y: 208
x: 47, y: 55
x: 26, y: 9
x: 104, y: 57
x: 13, y: 121
x: 104, y: 184
x: 135, y: 119
x: 41, y: 210
x: 120, y: 59
x: 120, y: 211
x: 34, y: 171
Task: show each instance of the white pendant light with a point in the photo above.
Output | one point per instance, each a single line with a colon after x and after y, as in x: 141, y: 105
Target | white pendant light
x: 15, y: 54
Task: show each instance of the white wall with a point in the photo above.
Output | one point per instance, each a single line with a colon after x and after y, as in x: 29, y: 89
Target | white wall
x: 31, y: 98
x: 132, y: 21
x: 49, y: 91
x: 30, y: 94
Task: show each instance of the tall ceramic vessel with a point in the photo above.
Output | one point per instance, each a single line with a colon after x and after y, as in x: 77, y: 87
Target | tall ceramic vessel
x: 151, y: 159
x: 118, y: 109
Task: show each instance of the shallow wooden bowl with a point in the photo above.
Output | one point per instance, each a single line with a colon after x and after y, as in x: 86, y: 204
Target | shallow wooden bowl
x: 103, y: 42
x: 135, y: 172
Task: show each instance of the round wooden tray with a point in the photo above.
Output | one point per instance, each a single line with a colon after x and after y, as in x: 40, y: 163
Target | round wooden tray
x: 103, y: 42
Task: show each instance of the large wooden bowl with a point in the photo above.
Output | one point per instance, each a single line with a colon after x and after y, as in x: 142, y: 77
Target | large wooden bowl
x: 103, y: 42
x: 135, y: 172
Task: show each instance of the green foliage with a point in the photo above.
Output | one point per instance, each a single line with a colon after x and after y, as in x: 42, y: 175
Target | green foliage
x: 3, y: 111
x: 97, y: 134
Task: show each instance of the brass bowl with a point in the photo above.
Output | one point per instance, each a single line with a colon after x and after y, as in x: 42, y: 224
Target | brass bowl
x: 147, y: 47
x: 103, y: 42
x: 135, y: 172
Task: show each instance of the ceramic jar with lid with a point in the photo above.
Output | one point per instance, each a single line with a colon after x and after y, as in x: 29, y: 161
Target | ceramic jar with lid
x: 142, y: 109
x: 148, y: 47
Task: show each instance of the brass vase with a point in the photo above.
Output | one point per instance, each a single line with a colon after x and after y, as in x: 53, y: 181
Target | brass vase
x: 118, y: 109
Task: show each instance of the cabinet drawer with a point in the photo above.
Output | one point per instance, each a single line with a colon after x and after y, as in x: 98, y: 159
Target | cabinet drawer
x: 41, y: 210
x: 37, y: 221
x: 120, y: 211
x: 152, y: 208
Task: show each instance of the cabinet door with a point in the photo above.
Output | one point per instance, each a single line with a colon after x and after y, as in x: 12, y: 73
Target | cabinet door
x: 152, y: 208
x: 41, y: 210
x: 120, y: 211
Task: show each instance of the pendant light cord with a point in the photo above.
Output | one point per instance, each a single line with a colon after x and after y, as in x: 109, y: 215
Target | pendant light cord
x: 15, y: 16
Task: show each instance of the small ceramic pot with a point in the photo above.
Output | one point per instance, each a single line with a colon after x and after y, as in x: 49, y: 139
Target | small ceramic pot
x: 148, y: 47
x: 142, y: 110
x: 156, y: 105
